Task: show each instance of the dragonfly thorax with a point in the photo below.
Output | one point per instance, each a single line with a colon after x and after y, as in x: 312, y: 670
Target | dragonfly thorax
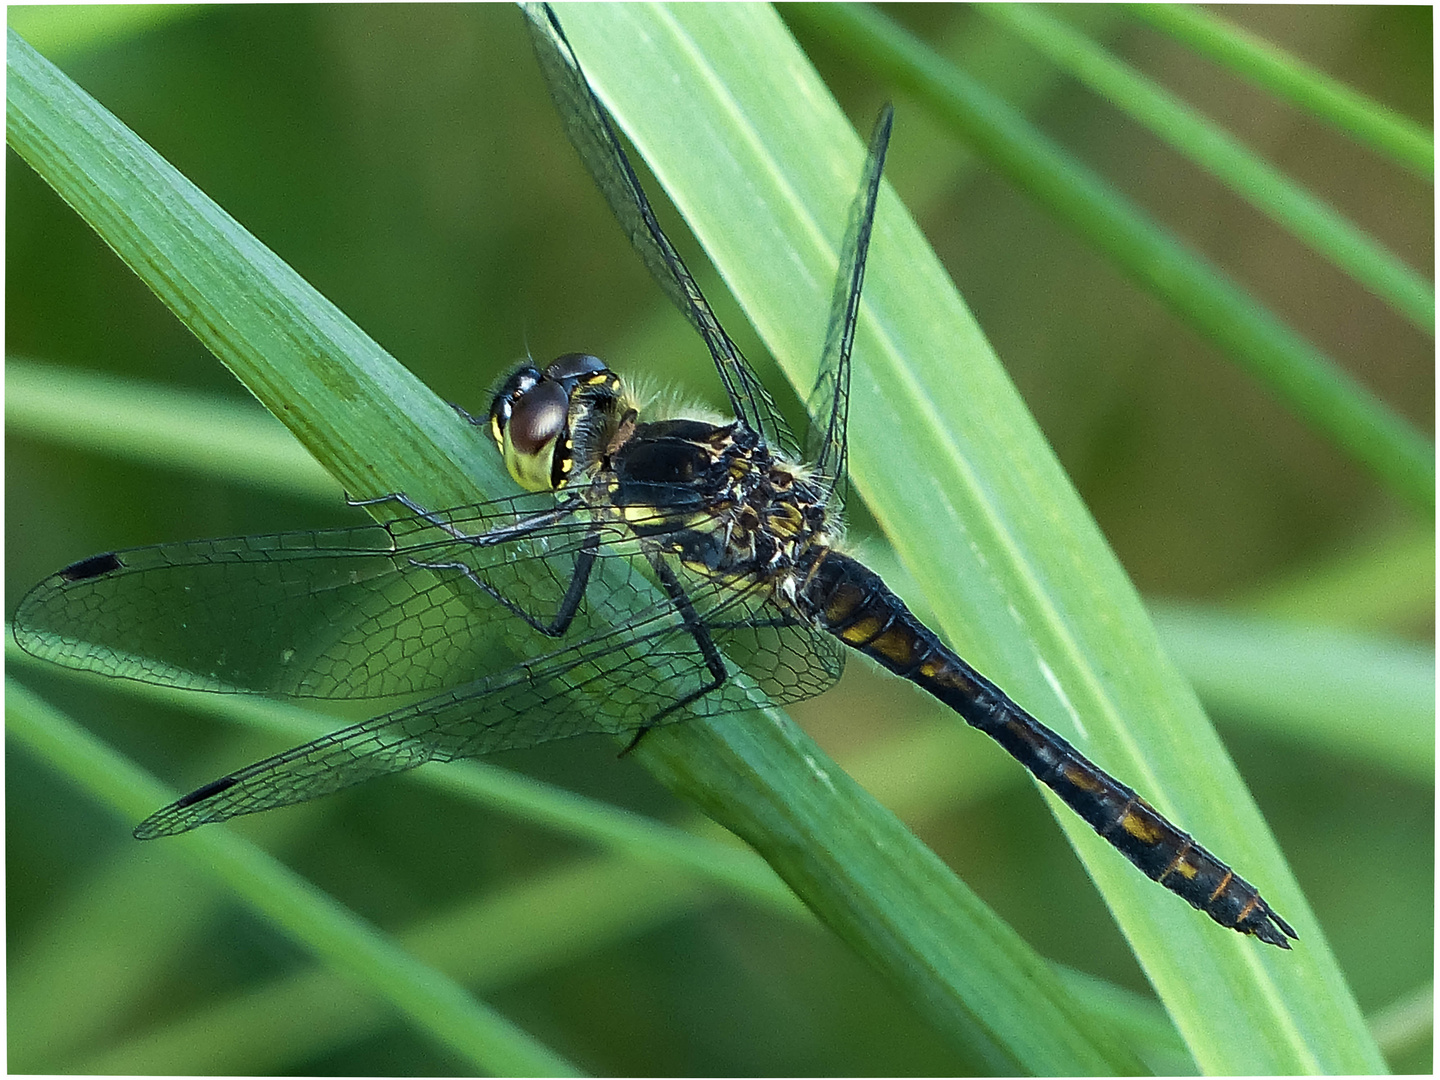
x: 555, y: 424
x: 716, y: 496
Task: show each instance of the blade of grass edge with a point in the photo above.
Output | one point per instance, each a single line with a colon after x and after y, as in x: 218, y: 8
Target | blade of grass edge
x: 378, y: 430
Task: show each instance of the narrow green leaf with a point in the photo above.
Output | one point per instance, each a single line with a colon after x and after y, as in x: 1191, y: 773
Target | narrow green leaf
x: 160, y: 426
x: 1386, y: 583
x: 1368, y: 698
x: 1308, y: 382
x: 1311, y: 219
x: 1273, y: 68
x: 1407, y: 1023
x: 433, y: 1003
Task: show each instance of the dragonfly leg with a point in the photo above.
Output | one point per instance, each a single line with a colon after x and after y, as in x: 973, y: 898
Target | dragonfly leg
x: 703, y: 641
x: 569, y: 603
x: 477, y: 421
x: 416, y: 509
x: 501, y: 534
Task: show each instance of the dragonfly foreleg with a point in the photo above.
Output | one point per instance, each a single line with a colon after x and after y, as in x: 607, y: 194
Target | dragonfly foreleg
x: 500, y: 534
x: 416, y: 509
x: 569, y: 603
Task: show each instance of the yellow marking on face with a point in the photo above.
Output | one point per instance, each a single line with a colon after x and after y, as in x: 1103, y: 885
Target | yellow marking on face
x: 530, y: 471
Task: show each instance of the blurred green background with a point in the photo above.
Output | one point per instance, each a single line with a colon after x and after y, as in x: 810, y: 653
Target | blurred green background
x: 407, y: 162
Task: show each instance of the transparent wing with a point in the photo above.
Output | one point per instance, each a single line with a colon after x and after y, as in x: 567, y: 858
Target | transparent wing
x: 634, y: 676
x: 589, y: 128
x: 414, y: 605
x: 829, y: 401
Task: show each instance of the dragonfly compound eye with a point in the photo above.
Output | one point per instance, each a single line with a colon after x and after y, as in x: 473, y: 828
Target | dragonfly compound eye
x: 519, y: 383
x: 535, y: 432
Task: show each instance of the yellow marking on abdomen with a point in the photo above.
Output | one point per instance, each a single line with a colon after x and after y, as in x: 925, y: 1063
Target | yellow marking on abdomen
x: 1229, y: 874
x: 861, y: 631
x: 1182, y: 866
x: 1082, y: 779
x: 1143, y: 830
x: 895, y: 645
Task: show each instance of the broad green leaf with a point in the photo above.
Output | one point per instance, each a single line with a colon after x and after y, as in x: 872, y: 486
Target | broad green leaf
x: 756, y: 157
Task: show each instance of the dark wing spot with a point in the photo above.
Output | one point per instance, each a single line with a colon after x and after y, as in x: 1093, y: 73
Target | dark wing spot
x: 93, y: 567
x: 203, y: 793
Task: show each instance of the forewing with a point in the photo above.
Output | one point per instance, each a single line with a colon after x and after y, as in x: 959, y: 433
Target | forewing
x: 588, y: 126
x: 406, y: 607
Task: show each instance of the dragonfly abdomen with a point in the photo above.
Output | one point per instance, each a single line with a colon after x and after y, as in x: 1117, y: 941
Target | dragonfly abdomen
x: 854, y: 604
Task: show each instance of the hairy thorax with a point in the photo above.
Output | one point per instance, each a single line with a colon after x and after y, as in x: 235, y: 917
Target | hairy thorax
x: 715, y: 495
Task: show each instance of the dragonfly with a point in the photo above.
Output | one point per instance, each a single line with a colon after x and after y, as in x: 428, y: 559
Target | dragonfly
x: 650, y: 572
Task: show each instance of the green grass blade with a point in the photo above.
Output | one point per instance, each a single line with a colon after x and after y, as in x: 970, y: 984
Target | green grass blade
x: 435, y: 1004
x: 1387, y: 131
x: 191, y: 433
x: 993, y: 531
x: 1371, y: 699
x: 1408, y: 1023
x: 1308, y: 382
x: 1385, y: 584
x: 1311, y: 219
x: 377, y: 430
x: 494, y: 942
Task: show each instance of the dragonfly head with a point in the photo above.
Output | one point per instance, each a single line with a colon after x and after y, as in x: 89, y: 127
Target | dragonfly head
x: 546, y: 423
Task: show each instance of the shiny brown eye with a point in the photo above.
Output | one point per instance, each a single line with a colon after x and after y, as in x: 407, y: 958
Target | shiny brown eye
x: 520, y: 383
x: 538, y: 416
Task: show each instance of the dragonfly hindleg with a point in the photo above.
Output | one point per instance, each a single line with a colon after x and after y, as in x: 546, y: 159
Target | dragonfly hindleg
x: 700, y: 632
